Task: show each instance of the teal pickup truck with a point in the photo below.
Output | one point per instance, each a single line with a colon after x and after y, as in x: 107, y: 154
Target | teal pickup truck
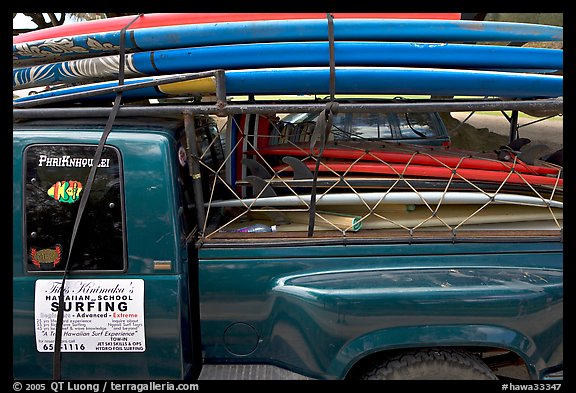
x: 162, y: 279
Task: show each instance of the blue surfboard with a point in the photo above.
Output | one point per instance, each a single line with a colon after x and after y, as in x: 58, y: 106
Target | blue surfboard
x: 225, y: 33
x: 349, y: 80
x: 293, y: 54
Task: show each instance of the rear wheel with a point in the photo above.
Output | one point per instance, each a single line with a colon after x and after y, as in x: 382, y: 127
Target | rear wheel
x: 430, y: 364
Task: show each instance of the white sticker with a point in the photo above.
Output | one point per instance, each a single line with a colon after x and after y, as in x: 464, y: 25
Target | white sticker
x: 99, y: 315
x: 182, y: 156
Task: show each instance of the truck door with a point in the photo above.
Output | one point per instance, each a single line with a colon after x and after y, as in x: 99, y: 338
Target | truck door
x: 126, y: 311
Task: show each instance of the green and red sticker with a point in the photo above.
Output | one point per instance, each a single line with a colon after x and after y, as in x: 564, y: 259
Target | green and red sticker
x: 66, y: 191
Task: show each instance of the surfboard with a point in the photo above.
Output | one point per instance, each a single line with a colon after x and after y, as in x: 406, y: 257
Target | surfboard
x: 349, y: 80
x: 171, y: 19
x: 441, y: 172
x: 292, y: 54
x: 289, y: 186
x: 405, y: 155
x: 328, y: 219
x: 403, y: 197
x: 419, y: 216
x: 225, y: 33
x: 258, y: 178
x: 505, y: 211
x: 539, y: 225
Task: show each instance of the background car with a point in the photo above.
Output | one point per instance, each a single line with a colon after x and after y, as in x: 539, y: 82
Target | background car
x: 424, y: 128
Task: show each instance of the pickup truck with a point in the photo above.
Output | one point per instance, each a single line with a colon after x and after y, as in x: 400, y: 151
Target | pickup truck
x: 160, y: 283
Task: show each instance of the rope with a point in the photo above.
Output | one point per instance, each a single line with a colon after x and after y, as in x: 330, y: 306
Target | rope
x: 323, y: 126
x: 82, y: 204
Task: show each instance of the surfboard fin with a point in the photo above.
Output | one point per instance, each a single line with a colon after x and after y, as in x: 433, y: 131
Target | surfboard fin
x: 517, y: 144
x: 529, y: 154
x: 256, y: 168
x: 555, y: 158
x: 301, y: 171
x: 261, y: 187
x: 508, y: 152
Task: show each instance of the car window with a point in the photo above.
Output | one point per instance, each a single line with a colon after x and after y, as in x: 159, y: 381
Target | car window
x: 298, y: 117
x: 345, y: 126
x: 210, y: 139
x: 361, y: 126
x: 417, y: 125
x: 410, y: 127
x: 56, y: 175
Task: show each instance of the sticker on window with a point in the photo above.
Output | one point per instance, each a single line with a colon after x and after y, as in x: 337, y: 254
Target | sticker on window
x: 100, y: 315
x: 65, y: 191
x: 46, y: 257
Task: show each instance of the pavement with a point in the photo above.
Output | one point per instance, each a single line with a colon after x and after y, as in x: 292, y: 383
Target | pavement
x: 237, y: 372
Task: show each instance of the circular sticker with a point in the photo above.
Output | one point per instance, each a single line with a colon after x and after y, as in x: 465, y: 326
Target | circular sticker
x: 182, y: 156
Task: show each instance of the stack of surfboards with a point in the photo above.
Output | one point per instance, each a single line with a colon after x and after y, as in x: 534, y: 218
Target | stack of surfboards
x: 397, y: 187
x: 289, y: 54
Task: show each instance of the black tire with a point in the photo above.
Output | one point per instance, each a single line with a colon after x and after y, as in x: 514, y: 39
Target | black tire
x: 430, y: 364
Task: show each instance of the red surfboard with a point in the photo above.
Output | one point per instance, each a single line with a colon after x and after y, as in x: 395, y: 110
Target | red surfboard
x: 172, y: 19
x: 417, y: 158
x: 341, y: 167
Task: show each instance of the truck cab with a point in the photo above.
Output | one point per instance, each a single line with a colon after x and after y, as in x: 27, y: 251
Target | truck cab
x: 133, y: 243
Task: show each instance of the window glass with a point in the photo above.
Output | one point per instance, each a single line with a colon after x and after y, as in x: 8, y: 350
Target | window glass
x: 416, y: 125
x: 361, y: 126
x: 210, y: 141
x: 56, y: 176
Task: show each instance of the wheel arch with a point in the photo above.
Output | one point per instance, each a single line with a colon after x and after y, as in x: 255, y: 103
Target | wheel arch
x: 480, y: 338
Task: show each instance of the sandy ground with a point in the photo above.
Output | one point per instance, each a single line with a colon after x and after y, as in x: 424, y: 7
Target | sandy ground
x: 548, y: 132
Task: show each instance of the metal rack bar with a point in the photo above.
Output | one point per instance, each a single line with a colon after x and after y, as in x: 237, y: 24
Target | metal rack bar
x: 219, y: 109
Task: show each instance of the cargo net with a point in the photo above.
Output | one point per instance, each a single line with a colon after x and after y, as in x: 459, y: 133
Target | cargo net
x: 269, y: 180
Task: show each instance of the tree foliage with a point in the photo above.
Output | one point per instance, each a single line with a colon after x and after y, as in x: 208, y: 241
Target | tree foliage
x: 44, y: 20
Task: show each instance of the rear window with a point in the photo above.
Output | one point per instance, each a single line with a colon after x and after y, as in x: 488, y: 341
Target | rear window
x: 417, y: 125
x: 363, y: 127
x: 56, y: 176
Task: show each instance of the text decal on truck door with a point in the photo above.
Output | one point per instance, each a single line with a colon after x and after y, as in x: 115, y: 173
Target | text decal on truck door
x: 99, y: 315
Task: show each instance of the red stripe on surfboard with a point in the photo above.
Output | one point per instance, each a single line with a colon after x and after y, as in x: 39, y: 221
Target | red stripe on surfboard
x: 417, y: 159
x: 429, y: 171
x: 173, y: 19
